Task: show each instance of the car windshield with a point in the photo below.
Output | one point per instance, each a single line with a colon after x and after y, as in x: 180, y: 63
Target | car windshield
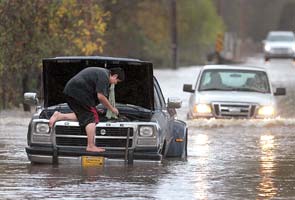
x: 234, y: 80
x: 281, y: 38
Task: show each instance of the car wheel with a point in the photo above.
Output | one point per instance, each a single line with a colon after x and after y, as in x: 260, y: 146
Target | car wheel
x: 184, y: 152
x: 163, y: 150
x: 266, y: 59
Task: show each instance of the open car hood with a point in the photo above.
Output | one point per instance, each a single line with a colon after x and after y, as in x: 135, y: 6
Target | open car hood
x: 137, y: 89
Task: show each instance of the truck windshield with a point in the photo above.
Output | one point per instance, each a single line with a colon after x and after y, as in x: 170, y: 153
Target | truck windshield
x: 234, y: 80
x: 281, y: 38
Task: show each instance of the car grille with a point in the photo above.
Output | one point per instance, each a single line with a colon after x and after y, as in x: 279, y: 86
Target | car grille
x: 230, y: 110
x: 113, y: 137
x: 281, y: 50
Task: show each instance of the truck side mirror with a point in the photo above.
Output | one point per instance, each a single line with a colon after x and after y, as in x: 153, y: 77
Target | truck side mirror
x: 30, y: 98
x: 188, y: 88
x: 280, y: 92
x: 174, y: 102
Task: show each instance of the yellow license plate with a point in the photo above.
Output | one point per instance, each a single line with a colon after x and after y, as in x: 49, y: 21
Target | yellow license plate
x: 92, y: 161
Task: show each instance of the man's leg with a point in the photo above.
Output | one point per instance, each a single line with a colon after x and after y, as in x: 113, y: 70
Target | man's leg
x: 90, y: 130
x: 61, y: 116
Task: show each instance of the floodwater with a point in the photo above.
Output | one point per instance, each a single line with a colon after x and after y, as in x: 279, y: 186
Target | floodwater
x: 227, y: 159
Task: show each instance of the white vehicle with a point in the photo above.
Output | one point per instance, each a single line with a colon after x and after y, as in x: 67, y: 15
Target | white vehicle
x: 279, y: 44
x: 223, y: 91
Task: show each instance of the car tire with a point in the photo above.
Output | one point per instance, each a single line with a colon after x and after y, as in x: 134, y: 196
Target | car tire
x: 163, y: 151
x: 184, y: 152
x: 266, y: 59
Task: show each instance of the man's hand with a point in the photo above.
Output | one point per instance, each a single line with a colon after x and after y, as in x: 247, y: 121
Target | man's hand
x: 115, y: 111
x: 102, y: 99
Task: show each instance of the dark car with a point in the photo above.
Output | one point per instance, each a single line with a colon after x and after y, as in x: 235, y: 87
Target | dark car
x: 146, y: 129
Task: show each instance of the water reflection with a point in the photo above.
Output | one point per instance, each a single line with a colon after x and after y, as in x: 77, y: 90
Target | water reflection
x: 267, y: 188
x: 201, y: 150
x: 117, y: 182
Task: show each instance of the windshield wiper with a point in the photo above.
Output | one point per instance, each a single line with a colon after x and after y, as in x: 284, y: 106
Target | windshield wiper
x: 138, y: 108
x: 218, y: 89
x: 234, y: 89
x: 210, y: 89
x: 247, y: 90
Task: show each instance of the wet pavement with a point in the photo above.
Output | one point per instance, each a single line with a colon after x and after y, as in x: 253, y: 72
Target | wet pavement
x: 227, y: 159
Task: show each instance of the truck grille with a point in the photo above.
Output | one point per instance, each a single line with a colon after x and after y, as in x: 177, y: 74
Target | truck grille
x: 229, y: 110
x: 281, y: 50
x: 114, y: 137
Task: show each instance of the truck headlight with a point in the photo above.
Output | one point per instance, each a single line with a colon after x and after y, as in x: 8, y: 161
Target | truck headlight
x: 42, y: 128
x: 202, y: 109
x: 267, y: 48
x: 41, y: 133
x: 146, y: 131
x: 147, y: 136
x: 266, y: 111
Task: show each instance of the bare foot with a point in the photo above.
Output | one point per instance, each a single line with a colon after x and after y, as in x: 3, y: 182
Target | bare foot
x: 53, y: 118
x: 95, y: 149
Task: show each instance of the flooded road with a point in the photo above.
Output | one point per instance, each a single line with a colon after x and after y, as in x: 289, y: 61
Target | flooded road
x: 227, y: 159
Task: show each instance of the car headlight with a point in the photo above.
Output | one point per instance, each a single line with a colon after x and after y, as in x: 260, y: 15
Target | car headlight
x: 41, y: 133
x: 266, y: 111
x: 202, y: 108
x: 146, y: 131
x: 147, y: 136
x: 267, y: 47
x: 42, y: 128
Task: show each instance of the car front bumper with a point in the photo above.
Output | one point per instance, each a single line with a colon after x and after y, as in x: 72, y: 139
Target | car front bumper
x: 275, y: 54
x: 50, y: 155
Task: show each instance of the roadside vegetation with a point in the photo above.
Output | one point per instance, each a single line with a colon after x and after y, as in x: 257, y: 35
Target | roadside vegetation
x: 31, y: 30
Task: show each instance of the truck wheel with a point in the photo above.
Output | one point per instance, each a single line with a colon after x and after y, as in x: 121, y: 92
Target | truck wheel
x: 163, y: 150
x: 184, y: 151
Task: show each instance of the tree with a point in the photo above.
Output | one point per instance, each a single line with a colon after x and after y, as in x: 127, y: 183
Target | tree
x: 31, y: 30
x: 79, y: 26
x: 142, y: 29
x: 287, y: 17
x: 198, y: 27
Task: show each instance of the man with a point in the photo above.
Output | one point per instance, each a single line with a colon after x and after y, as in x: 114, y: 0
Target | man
x: 83, y: 92
x: 215, y: 81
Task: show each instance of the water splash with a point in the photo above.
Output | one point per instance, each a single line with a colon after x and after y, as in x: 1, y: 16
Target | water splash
x: 215, y: 123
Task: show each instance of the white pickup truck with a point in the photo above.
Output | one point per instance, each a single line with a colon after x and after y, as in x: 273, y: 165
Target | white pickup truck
x: 225, y: 91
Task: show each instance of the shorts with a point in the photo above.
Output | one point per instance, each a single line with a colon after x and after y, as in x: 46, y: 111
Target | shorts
x: 84, y: 113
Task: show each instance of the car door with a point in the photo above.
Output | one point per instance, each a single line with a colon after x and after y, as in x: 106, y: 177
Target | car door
x: 162, y: 115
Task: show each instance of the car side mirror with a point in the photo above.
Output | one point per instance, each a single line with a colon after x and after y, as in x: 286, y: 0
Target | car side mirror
x: 280, y: 92
x: 30, y: 98
x: 174, y: 102
x: 188, y: 88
